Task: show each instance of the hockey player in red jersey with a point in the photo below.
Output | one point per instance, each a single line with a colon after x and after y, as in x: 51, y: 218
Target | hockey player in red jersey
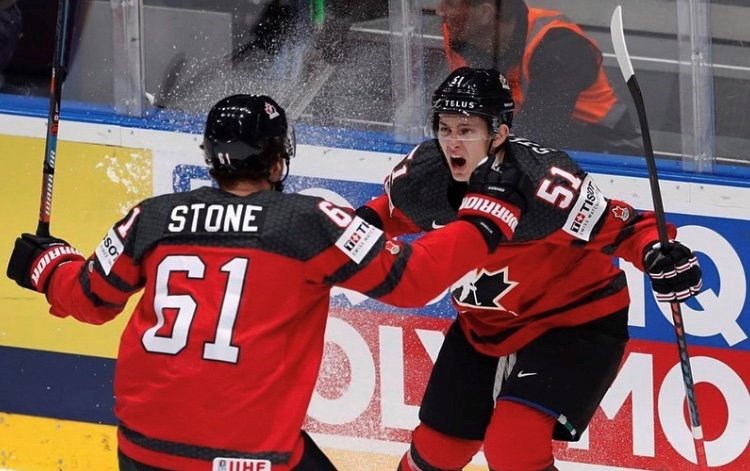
x: 218, y: 362
x: 541, y: 327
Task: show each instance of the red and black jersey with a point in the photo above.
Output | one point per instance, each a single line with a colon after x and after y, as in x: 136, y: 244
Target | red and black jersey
x: 222, y: 352
x: 558, y: 269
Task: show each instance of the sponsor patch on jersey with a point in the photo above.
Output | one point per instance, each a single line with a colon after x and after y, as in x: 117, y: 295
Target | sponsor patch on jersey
x: 109, y: 250
x: 586, y: 211
x: 240, y: 464
x: 358, y: 239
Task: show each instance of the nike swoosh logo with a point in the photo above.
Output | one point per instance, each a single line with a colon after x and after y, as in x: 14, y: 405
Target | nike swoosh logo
x: 436, y: 225
x: 521, y: 374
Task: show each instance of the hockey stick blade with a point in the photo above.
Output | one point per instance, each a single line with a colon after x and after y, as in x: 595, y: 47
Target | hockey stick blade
x: 626, y: 67
x: 621, y: 49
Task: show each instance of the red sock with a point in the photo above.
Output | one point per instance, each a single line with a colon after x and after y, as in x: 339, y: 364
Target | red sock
x: 519, y: 438
x: 436, y: 450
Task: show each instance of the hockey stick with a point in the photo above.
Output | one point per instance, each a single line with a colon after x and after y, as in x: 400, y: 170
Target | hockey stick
x: 626, y: 67
x: 53, y: 116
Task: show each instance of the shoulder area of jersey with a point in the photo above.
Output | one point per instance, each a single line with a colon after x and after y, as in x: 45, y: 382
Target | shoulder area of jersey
x: 429, y: 148
x: 167, y: 199
x: 535, y: 160
x: 531, y: 146
x: 533, y: 151
x: 424, y: 157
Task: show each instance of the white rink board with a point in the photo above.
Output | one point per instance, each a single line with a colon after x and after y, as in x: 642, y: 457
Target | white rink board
x: 170, y: 149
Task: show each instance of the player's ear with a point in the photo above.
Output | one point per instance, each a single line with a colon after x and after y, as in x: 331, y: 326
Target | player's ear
x: 277, y: 170
x: 502, y: 134
x: 486, y: 13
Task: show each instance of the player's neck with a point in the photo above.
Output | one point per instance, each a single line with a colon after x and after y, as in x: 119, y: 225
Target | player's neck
x: 246, y: 187
x: 500, y: 155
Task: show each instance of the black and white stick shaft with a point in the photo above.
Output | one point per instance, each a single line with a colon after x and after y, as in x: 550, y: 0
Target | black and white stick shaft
x: 53, y: 115
x: 628, y: 73
x: 626, y: 67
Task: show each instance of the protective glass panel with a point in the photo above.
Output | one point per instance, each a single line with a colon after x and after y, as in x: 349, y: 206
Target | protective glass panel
x: 558, y: 56
x: 372, y: 66
x: 27, y: 39
x: 730, y: 49
x: 306, y: 54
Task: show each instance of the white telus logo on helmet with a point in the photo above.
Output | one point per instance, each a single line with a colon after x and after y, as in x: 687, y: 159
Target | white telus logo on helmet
x: 271, y: 110
x: 461, y: 104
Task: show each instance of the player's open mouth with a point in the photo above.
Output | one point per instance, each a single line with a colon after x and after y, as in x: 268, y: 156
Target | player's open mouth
x: 457, y: 162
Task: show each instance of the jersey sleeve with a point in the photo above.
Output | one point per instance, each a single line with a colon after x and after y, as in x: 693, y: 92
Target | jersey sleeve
x: 96, y: 290
x: 566, y: 207
x: 362, y: 258
x: 394, y: 221
x: 416, y: 192
x: 621, y: 231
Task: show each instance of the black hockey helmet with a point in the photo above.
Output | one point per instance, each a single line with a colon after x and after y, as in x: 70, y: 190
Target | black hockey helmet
x: 482, y: 92
x: 245, y: 135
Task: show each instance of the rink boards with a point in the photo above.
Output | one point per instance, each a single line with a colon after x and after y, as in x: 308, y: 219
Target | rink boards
x: 55, y: 396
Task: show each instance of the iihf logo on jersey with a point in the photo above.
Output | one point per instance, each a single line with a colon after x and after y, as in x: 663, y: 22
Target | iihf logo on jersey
x: 240, y: 464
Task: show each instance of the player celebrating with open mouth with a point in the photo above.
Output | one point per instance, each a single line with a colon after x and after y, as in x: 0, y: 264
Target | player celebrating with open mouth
x: 542, y: 326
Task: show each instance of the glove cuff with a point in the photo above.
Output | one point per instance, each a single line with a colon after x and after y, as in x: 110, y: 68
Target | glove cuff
x: 489, y: 230
x: 369, y: 215
x: 503, y: 214
x: 48, y: 261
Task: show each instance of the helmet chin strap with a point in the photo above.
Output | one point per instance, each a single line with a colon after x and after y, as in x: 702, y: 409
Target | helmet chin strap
x: 489, y: 147
x: 499, y: 148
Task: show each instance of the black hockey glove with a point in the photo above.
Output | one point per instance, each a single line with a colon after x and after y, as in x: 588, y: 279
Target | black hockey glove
x: 494, y: 202
x: 370, y: 216
x: 674, y: 271
x: 35, y: 258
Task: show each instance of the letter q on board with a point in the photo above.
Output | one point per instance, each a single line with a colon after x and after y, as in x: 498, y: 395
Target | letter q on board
x: 721, y: 310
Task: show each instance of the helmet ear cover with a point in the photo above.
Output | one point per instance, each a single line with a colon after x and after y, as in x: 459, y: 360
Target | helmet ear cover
x: 256, y: 165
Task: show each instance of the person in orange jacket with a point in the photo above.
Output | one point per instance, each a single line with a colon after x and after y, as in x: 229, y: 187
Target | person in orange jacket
x: 559, y: 85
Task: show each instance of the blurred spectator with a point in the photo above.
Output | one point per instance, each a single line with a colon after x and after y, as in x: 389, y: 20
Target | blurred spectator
x: 339, y: 17
x: 27, y: 71
x: 555, y: 70
x: 331, y: 21
x: 10, y: 31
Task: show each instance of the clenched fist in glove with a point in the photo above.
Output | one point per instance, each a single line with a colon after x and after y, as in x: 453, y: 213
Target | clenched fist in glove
x: 494, y: 202
x: 35, y: 258
x: 674, y: 271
